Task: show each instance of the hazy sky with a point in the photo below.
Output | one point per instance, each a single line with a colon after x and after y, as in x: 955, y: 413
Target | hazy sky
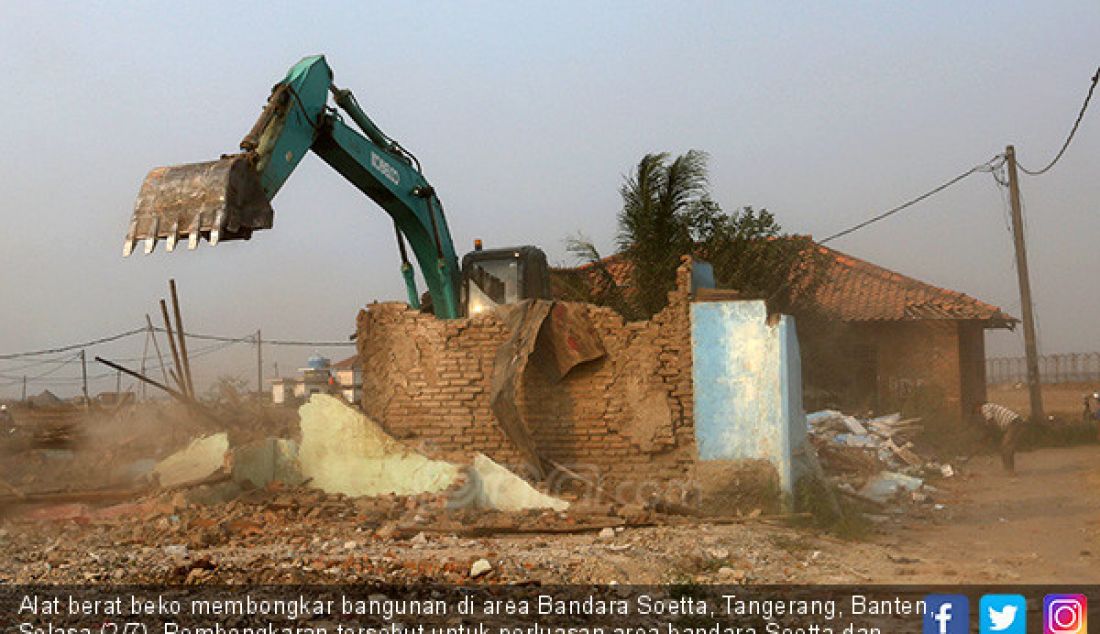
x: 526, y: 116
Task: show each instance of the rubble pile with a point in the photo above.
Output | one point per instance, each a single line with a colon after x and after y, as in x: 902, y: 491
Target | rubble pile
x: 288, y: 535
x: 874, y: 459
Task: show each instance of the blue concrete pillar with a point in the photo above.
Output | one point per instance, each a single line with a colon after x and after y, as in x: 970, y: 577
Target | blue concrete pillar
x: 748, y: 386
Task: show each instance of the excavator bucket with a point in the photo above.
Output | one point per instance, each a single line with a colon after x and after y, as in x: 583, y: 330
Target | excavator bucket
x: 218, y: 200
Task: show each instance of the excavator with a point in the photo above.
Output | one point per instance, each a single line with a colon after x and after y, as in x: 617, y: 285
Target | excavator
x: 230, y: 198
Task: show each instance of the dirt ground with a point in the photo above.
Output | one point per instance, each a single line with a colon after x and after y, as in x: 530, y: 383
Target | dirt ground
x: 1061, y: 399
x: 1041, y: 526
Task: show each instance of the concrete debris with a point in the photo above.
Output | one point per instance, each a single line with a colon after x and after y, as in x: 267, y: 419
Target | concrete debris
x: 203, y: 458
x: 857, y: 440
x: 607, y: 533
x: 731, y: 575
x: 480, y: 568
x: 343, y: 451
x: 491, y: 486
x: 886, y: 485
x: 213, y: 493
x: 907, y: 456
x: 135, y: 471
x: 947, y: 471
x: 878, y: 464
x: 176, y: 551
x: 263, y: 461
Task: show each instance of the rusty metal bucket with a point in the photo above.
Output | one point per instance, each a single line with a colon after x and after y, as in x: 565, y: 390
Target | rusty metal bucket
x: 218, y: 200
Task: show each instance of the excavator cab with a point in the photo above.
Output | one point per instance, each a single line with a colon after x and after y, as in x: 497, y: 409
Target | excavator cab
x: 494, y: 277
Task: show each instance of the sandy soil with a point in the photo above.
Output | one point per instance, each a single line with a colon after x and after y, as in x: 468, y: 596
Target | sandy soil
x: 1041, y: 526
x: 1062, y: 399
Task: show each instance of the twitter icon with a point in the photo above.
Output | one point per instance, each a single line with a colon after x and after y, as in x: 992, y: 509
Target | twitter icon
x: 1003, y: 614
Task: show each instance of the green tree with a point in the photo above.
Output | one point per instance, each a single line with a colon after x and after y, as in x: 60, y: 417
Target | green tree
x: 662, y: 201
x: 667, y: 212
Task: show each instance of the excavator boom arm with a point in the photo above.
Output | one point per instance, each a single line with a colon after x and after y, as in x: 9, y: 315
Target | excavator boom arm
x: 229, y: 198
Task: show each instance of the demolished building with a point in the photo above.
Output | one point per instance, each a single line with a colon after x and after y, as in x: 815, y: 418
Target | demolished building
x: 902, y: 343
x: 574, y: 392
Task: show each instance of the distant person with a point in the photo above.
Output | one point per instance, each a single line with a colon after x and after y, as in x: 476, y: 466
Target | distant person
x: 7, y: 423
x: 1011, y: 426
x: 1092, y: 410
x: 1092, y: 406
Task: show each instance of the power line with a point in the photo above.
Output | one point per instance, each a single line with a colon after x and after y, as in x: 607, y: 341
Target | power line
x: 37, y: 364
x: 71, y: 380
x: 136, y: 331
x: 1073, y: 131
x: 989, y: 166
x: 75, y: 346
x: 274, y: 342
x: 14, y: 380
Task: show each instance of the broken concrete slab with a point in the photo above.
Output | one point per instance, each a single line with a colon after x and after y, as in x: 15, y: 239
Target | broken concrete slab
x: 263, y: 461
x: 203, y: 458
x: 211, y: 494
x: 491, y: 486
x: 885, y: 485
x: 135, y: 471
x: 344, y: 451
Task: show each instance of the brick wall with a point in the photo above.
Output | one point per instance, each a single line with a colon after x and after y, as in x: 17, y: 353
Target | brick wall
x: 971, y: 365
x: 626, y: 418
x: 918, y: 364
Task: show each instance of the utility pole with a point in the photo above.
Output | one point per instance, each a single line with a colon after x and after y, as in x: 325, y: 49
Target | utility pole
x: 156, y: 347
x: 144, y: 354
x: 84, y: 378
x: 259, y: 364
x: 1031, y: 349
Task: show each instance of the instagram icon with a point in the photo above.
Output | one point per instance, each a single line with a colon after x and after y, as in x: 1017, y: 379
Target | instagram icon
x: 1065, y: 614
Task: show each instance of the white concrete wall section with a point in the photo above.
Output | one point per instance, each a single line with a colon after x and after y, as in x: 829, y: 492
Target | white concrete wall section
x: 748, y: 387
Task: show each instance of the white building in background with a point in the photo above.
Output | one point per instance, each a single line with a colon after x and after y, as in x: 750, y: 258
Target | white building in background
x: 320, y: 376
x: 349, y: 378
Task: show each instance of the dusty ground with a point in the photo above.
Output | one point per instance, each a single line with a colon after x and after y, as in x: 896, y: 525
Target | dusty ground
x: 1041, y: 526
x: 1062, y: 399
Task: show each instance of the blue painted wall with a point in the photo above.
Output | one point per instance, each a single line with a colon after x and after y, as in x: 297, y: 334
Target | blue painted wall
x: 748, y: 386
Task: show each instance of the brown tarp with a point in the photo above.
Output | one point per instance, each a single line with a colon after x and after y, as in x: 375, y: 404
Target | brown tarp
x: 571, y: 337
x: 571, y: 340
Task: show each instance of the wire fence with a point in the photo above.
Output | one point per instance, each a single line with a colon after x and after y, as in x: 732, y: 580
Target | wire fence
x: 1073, y: 367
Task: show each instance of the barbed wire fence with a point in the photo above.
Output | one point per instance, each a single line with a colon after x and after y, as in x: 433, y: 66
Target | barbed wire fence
x: 1072, y: 367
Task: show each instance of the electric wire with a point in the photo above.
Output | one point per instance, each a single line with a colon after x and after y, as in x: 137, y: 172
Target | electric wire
x: 989, y: 166
x: 70, y: 380
x: 75, y: 346
x: 273, y: 342
x: 143, y: 329
x: 1072, y: 132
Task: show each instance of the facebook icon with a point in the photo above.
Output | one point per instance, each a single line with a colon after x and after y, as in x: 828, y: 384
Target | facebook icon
x: 946, y: 614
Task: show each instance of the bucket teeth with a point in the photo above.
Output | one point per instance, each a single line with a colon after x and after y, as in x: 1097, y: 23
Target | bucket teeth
x: 219, y: 200
x: 131, y: 240
x: 193, y: 233
x: 151, y: 239
x: 173, y: 237
x: 219, y: 226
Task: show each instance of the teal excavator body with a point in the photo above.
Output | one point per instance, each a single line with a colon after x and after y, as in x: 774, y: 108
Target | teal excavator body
x: 229, y: 199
